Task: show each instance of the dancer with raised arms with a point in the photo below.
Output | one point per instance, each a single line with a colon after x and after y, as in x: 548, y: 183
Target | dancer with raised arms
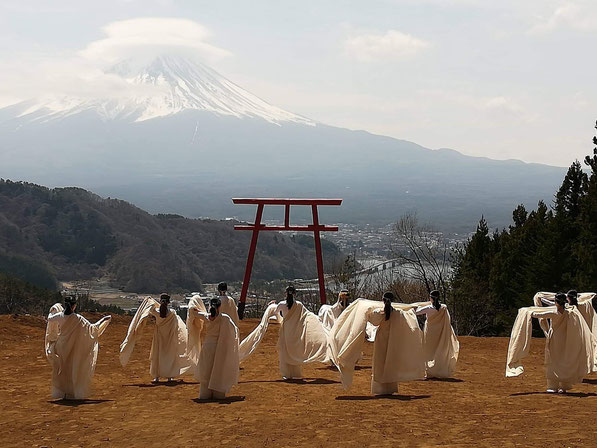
x: 168, y: 354
x: 71, y: 347
x: 398, y: 348
x: 568, y: 346
x: 440, y: 344
x: 329, y: 313
x: 217, y: 369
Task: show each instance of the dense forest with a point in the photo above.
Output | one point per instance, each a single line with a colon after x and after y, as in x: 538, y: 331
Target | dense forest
x: 69, y: 233
x: 551, y: 248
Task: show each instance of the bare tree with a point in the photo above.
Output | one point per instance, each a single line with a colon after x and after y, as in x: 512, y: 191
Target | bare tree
x: 423, y: 253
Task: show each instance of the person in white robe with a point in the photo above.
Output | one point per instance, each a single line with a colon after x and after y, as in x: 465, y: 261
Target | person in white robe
x: 397, y: 350
x: 168, y: 357
x: 583, y: 302
x: 218, y: 366
x: 440, y: 345
x: 71, y: 347
x: 386, y: 350
x: 302, y: 338
x: 329, y: 313
x: 568, y: 346
x: 228, y: 304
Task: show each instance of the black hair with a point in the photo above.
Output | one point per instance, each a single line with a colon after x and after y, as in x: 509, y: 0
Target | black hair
x: 214, y: 304
x: 164, y: 301
x: 69, y: 302
x: 435, y: 299
x: 561, y: 299
x: 346, y: 296
x: 388, y: 297
x: 222, y: 286
x: 290, y: 290
x: 572, y: 296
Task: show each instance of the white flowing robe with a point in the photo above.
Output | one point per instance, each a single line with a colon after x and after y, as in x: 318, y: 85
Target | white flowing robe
x: 440, y: 344
x: 253, y: 339
x: 168, y: 354
x: 329, y: 313
x: 229, y: 307
x: 398, y: 350
x: 71, y: 348
x: 371, y: 329
x: 194, y: 329
x: 568, y: 346
x: 585, y: 307
x: 302, y: 339
x: 218, y: 365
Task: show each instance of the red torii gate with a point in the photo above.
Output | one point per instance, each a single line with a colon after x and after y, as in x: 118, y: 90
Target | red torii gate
x: 316, y: 228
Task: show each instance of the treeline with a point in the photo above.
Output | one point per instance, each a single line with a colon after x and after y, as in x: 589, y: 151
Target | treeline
x: 551, y: 248
x: 72, y: 234
x: 18, y: 296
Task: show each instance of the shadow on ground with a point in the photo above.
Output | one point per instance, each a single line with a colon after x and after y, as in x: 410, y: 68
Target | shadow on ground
x: 295, y: 381
x: 446, y: 380
x: 382, y: 397
x: 163, y: 383
x: 567, y: 394
x: 227, y: 400
x: 76, y: 403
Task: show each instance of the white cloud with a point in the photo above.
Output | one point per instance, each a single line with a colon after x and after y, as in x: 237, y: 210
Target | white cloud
x: 148, y: 36
x: 580, y: 16
x: 82, y: 73
x: 395, y: 45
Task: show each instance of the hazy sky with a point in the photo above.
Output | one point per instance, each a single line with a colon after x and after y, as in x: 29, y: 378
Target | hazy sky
x: 503, y: 79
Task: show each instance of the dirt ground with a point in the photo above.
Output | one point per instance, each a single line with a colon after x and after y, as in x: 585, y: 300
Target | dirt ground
x: 479, y: 407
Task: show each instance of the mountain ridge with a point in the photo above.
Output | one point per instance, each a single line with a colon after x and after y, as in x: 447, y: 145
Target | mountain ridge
x: 193, y: 161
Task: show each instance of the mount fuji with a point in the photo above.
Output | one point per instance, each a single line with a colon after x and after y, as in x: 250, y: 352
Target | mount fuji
x: 165, y: 86
x: 184, y: 139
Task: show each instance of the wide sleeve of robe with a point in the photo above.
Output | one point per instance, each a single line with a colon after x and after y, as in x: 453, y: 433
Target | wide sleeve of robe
x: 251, y: 342
x: 371, y: 329
x: 135, y: 327
x: 52, y: 330
x: 326, y: 317
x: 194, y: 328
x: 585, y: 307
x: 347, y: 337
x: 520, y: 339
x: 539, y: 301
x: 229, y: 307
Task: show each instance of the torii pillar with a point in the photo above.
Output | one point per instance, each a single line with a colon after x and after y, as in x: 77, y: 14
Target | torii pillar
x: 256, y: 227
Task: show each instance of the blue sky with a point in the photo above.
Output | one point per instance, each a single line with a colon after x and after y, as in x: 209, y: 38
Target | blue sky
x: 502, y: 79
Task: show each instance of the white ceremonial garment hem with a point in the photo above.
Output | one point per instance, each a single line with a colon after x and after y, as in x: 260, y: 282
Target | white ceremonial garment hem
x: 383, y: 388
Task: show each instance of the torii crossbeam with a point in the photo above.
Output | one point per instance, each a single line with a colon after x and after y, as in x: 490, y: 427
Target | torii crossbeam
x: 316, y: 228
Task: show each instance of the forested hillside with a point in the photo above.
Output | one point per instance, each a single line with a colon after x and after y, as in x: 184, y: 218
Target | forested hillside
x: 551, y: 248
x: 70, y: 233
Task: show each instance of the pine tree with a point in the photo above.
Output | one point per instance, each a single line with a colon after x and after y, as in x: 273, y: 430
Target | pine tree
x: 586, y: 248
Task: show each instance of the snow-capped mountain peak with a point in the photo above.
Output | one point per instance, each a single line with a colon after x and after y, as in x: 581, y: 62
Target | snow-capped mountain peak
x: 165, y: 86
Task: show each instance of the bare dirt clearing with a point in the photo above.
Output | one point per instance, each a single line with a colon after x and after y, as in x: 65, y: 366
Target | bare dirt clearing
x: 479, y: 407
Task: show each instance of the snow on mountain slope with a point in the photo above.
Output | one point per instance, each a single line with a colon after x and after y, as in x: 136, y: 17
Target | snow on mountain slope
x: 165, y: 86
